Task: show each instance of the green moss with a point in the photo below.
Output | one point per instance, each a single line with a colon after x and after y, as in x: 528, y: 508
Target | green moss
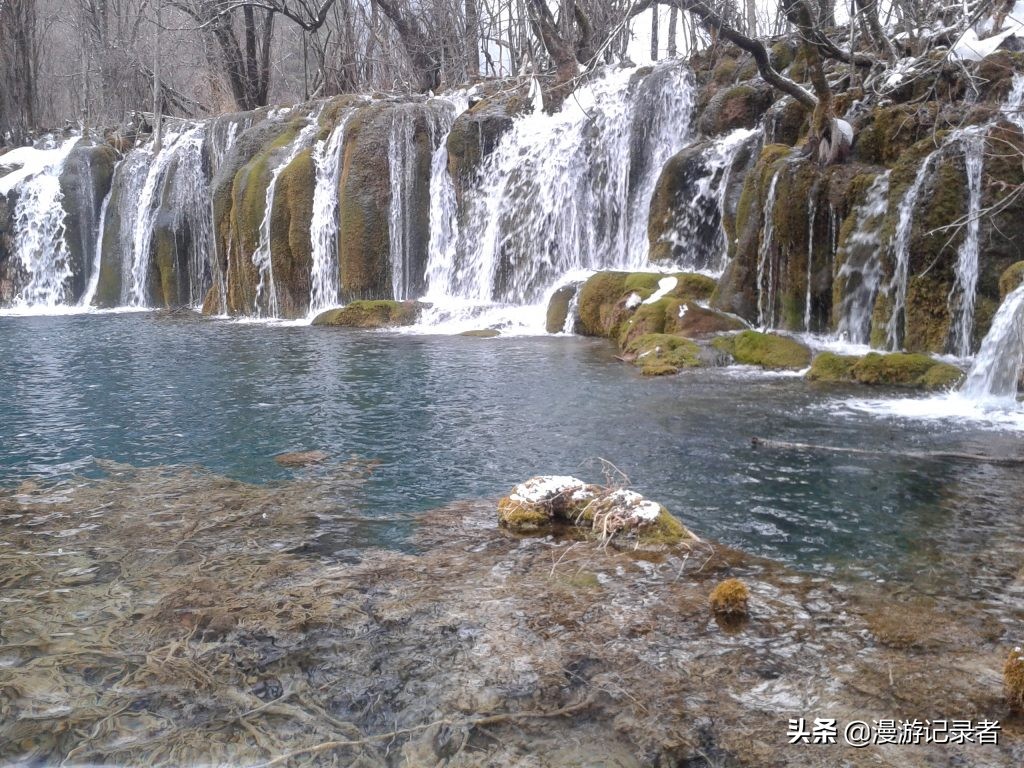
x: 522, y: 518
x: 768, y: 350
x: 666, y: 530
x: 901, y: 369
x: 1011, y: 279
x: 830, y: 367
x: 597, y: 304
x: 730, y: 598
x: 643, y: 283
x: 941, y: 376
x: 647, y: 319
x: 371, y: 314
x: 659, y: 354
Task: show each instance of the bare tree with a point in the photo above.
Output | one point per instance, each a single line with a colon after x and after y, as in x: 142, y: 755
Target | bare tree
x: 19, y: 64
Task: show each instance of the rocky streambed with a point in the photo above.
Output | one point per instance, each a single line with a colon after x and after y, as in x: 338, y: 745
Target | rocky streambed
x: 173, y: 616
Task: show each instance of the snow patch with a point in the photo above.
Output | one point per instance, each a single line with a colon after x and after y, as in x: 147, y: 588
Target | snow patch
x: 633, y: 300
x: 665, y: 285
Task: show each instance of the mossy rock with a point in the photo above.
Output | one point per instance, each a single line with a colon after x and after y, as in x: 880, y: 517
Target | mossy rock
x: 695, y: 321
x: 481, y: 333
x: 897, y: 369
x: 768, y: 350
x: 566, y: 504
x: 558, y: 307
x: 1011, y: 279
x: 736, y: 292
x: 291, y: 245
x: 660, y: 354
x: 597, y: 314
x: 739, y: 106
x: 828, y: 367
x: 370, y: 313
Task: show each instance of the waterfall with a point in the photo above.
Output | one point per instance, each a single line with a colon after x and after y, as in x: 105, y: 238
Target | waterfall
x: 179, y: 146
x: 901, y: 252
x: 266, y: 291
x: 38, y: 243
x: 811, y: 215
x: 699, y: 235
x: 1000, y: 360
x: 444, y: 223
x: 963, y: 295
x: 564, y: 192
x: 402, y: 165
x: 766, y: 283
x: 862, y: 267
x: 1013, y: 108
x: 327, y: 156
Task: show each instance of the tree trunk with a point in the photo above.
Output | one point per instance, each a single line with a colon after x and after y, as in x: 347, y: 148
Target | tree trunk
x: 472, y: 40
x: 673, y: 20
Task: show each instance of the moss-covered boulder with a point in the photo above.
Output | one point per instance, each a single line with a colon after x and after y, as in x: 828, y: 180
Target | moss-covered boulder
x: 614, y: 515
x: 559, y: 306
x: 291, y: 247
x: 372, y: 313
x: 737, y: 291
x: 85, y: 179
x: 696, y: 322
x: 915, y: 371
x: 239, y: 198
x: 738, y: 106
x: 365, y: 198
x: 608, y: 300
x: 768, y: 350
x: 663, y: 354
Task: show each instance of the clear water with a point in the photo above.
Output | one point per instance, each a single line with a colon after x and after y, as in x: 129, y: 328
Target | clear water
x: 460, y: 418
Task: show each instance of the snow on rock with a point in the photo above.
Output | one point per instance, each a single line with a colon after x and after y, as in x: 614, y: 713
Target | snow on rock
x: 535, y: 505
x: 665, y: 285
x: 633, y: 300
x: 544, y: 488
x: 982, y: 39
x: 28, y: 161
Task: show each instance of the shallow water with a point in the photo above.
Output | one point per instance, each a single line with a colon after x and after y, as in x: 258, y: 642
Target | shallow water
x: 453, y: 418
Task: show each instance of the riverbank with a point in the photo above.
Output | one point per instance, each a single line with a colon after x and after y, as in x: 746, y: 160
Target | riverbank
x: 234, y: 636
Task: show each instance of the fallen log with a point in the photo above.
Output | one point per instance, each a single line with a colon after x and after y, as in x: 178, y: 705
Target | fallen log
x: 1000, y: 461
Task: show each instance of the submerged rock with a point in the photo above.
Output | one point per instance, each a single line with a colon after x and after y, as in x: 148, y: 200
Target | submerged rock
x: 768, y: 350
x: 372, y: 314
x: 613, y: 514
x: 898, y: 369
x: 301, y: 458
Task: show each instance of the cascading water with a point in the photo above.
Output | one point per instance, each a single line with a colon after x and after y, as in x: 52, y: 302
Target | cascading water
x: 1000, y: 361
x: 766, y: 284
x: 699, y: 236
x: 39, y: 243
x: 812, y: 214
x: 324, y: 224
x: 1013, y: 109
x: 901, y: 251
x: 862, y: 267
x: 402, y: 165
x: 94, y: 275
x: 266, y: 291
x: 565, y: 192
x: 962, y: 297
x: 183, y: 142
